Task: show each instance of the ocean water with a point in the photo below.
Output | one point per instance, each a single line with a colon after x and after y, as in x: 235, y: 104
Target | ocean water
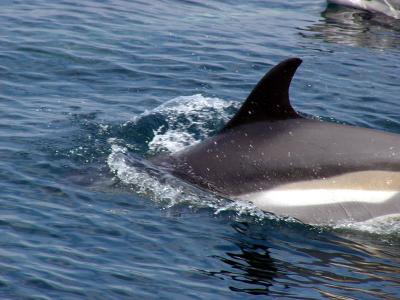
x: 90, y: 89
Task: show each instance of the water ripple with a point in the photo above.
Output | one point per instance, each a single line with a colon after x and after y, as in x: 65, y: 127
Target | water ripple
x: 85, y: 94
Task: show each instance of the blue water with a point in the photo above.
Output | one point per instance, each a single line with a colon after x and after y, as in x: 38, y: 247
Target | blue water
x: 90, y: 88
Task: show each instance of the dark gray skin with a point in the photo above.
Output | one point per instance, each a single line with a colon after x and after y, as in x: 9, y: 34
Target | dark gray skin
x: 267, y: 144
x: 262, y: 155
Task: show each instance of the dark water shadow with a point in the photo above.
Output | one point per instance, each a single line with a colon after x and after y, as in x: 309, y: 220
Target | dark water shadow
x: 357, y: 28
x: 249, y: 266
x: 276, y: 259
x: 254, y: 269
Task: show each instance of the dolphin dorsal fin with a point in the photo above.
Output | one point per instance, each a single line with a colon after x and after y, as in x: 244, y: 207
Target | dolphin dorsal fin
x: 269, y: 100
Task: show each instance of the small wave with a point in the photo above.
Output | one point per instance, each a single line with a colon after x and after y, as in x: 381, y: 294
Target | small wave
x: 186, y: 120
x: 386, y: 225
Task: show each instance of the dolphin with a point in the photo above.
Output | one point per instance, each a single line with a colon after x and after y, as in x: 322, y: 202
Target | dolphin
x: 291, y: 165
x: 388, y: 7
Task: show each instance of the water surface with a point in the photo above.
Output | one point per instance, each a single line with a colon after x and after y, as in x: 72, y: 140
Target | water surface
x: 88, y: 89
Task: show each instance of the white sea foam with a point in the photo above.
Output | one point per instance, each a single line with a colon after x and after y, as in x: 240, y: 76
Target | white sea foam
x: 389, y: 224
x: 171, y: 140
x: 190, y: 119
x: 131, y: 172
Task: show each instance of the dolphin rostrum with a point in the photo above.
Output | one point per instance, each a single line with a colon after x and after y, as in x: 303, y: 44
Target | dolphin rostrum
x: 318, y: 172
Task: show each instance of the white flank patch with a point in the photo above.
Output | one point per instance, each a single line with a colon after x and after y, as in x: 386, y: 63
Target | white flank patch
x: 297, y: 198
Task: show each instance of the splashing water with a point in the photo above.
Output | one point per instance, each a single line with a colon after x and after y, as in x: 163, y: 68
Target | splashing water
x: 386, y: 225
x: 170, y: 191
x: 187, y: 120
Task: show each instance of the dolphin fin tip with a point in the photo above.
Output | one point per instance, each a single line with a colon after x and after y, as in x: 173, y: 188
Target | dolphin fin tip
x: 269, y: 100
